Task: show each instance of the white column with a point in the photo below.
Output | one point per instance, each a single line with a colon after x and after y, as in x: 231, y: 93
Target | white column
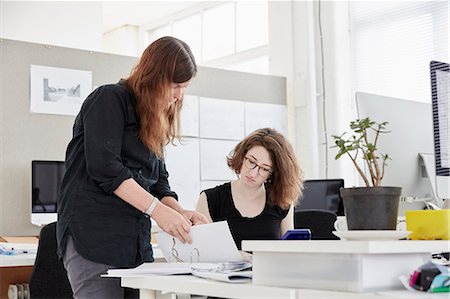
x: 295, y: 52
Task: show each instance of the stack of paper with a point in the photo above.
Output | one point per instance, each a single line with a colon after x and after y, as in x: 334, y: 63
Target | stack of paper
x: 160, y: 269
x: 235, y: 277
x: 229, y: 272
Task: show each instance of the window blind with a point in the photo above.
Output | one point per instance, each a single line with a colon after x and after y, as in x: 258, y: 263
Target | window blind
x: 392, y: 44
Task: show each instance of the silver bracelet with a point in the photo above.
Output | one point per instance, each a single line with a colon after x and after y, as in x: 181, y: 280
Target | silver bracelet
x: 152, y: 207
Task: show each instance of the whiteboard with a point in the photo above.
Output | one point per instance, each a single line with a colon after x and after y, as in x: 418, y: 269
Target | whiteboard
x: 183, y: 165
x: 189, y: 122
x: 259, y: 115
x: 221, y: 119
x: 213, y: 161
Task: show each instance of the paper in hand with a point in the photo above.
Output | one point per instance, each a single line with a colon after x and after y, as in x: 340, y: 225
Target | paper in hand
x: 211, y: 243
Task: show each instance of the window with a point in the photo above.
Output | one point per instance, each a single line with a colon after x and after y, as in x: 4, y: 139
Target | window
x: 393, y: 43
x: 218, y: 31
x: 189, y: 30
x: 232, y: 35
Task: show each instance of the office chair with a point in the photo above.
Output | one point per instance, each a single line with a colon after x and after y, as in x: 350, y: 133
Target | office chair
x: 320, y: 222
x: 49, y: 277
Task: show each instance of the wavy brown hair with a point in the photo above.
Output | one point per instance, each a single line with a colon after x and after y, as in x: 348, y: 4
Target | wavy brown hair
x: 166, y: 61
x: 285, y: 184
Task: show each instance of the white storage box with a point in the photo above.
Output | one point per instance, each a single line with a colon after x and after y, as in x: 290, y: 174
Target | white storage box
x: 356, y: 266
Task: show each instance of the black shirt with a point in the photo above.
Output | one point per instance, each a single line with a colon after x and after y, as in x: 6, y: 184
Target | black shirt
x: 105, y: 150
x: 265, y: 226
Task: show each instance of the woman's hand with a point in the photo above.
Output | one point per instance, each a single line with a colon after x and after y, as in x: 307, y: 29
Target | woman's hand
x: 194, y: 217
x: 172, y: 222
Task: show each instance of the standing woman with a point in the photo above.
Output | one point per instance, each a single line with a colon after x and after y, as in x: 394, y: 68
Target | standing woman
x: 259, y: 205
x: 116, y: 178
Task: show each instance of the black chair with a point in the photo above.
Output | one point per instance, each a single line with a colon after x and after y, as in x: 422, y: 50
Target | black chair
x: 320, y: 222
x: 49, y: 277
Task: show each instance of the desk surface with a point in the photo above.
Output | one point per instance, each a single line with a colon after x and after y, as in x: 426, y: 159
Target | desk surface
x: 18, y: 260
x: 188, y: 284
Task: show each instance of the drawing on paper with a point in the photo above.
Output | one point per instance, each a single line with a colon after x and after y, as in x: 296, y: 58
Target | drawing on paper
x: 58, y: 90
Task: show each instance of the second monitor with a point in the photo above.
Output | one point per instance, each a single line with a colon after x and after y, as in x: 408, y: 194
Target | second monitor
x: 410, y: 133
x: 322, y: 195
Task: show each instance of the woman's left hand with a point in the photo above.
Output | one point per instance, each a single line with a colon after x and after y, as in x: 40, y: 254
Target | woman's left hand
x: 194, y: 217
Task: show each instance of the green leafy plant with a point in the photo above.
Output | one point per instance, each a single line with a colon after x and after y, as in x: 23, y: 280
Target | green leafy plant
x: 362, y: 142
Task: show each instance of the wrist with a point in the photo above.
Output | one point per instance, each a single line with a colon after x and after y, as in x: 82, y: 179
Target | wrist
x: 152, y: 207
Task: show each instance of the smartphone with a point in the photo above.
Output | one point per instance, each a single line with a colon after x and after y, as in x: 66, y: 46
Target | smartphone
x: 297, y: 234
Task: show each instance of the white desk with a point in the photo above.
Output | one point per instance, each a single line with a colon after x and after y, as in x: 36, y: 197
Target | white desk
x: 276, y: 256
x: 187, y: 284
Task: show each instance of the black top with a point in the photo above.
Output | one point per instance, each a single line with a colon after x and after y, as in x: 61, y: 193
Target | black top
x: 265, y: 226
x: 105, y: 150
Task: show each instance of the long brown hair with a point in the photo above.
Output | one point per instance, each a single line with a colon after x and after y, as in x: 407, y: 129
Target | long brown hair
x: 285, y: 184
x: 165, y: 61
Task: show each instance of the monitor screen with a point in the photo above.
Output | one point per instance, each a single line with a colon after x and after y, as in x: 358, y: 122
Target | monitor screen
x: 410, y: 133
x: 46, y: 177
x: 322, y: 195
x: 440, y: 91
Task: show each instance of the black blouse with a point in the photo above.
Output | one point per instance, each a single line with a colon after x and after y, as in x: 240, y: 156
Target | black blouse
x: 265, y: 226
x: 105, y: 150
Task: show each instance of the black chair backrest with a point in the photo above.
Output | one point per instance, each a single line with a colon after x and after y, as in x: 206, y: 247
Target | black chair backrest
x: 322, y: 195
x: 49, y: 277
x: 320, y: 222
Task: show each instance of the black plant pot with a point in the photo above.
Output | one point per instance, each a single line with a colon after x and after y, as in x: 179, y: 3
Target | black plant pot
x: 371, y: 208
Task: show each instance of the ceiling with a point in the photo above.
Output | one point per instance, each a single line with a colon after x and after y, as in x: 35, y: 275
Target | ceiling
x: 119, y: 13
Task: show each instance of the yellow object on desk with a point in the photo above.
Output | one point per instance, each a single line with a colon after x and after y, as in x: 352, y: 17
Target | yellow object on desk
x: 428, y: 224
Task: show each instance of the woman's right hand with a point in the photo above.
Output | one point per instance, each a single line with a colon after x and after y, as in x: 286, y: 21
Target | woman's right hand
x: 172, y: 222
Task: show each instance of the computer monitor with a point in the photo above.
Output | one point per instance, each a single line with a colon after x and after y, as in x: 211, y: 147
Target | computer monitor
x: 410, y: 126
x: 440, y: 92
x: 322, y: 195
x: 46, y: 177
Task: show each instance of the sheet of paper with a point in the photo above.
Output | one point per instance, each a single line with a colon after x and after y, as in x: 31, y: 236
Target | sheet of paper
x: 160, y: 269
x: 234, y: 277
x: 211, y: 243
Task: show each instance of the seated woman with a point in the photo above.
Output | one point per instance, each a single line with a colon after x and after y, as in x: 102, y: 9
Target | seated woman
x: 259, y: 205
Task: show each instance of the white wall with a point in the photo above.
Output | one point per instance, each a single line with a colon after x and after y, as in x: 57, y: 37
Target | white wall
x: 72, y: 24
x: 124, y: 40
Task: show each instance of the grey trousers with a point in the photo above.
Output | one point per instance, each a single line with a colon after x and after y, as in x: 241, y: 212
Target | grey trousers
x: 84, y: 277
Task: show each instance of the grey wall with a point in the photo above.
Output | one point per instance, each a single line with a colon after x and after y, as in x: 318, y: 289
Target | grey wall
x: 25, y: 136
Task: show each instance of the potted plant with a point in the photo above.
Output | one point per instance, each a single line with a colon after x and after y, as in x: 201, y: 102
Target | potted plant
x: 373, y: 207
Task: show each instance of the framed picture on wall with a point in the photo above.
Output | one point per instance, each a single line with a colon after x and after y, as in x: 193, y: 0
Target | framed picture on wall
x: 56, y: 90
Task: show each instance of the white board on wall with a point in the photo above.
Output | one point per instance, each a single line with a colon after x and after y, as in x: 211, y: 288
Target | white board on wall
x: 258, y: 115
x: 189, y: 116
x: 183, y: 165
x: 213, y: 161
x: 221, y: 119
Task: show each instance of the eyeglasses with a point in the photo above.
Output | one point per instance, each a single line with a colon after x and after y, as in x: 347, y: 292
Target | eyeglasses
x: 262, y: 171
